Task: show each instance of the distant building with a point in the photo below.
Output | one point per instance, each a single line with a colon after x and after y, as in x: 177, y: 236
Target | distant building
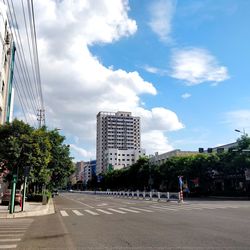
x: 79, y: 169
x: 158, y: 159
x: 219, y: 149
x: 116, y: 131
x: 7, y: 55
x: 89, y: 171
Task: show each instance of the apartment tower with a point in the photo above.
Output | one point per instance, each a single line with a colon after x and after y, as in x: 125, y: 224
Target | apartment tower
x: 118, y: 140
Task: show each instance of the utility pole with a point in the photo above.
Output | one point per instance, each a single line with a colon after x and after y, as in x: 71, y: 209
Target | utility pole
x: 41, y: 117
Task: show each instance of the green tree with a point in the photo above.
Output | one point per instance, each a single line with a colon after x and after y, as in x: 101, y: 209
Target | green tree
x: 60, y: 165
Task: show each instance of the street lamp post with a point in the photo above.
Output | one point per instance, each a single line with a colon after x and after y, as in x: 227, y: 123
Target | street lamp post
x: 239, y: 131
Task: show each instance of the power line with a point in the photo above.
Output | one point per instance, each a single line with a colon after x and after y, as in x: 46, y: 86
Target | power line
x: 30, y: 93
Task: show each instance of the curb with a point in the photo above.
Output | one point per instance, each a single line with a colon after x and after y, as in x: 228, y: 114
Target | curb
x: 48, y: 209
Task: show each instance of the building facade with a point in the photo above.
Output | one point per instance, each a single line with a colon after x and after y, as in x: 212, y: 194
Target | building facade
x: 79, y: 169
x: 7, y: 55
x: 89, y: 171
x: 158, y: 159
x: 115, y: 131
x: 117, y: 159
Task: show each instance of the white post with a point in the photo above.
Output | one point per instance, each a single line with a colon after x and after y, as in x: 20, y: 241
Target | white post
x: 144, y: 195
x: 150, y: 195
x: 138, y: 194
x: 159, y: 196
x: 168, y: 196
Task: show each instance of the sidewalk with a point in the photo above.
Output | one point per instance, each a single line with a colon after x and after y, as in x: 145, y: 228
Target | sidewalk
x: 30, y: 209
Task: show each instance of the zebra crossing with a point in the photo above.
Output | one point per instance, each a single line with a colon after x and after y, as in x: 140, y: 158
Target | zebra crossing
x: 148, y: 209
x: 12, y: 232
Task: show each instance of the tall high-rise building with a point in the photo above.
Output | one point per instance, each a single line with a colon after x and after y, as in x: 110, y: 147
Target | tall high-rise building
x: 116, y: 132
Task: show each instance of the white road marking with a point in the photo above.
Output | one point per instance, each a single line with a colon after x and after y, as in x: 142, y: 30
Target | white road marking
x: 10, y: 235
x: 117, y: 211
x: 102, y: 204
x: 77, y: 212
x: 164, y: 208
x: 129, y: 210
x: 91, y: 212
x: 9, y: 240
x: 103, y: 211
x: 7, y: 246
x: 64, y: 213
x: 142, y: 209
x: 14, y: 231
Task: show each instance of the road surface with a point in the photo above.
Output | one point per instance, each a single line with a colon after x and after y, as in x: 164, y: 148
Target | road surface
x: 97, y: 222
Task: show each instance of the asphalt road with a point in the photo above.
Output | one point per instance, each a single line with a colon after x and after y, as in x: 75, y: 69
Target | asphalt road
x: 97, y: 222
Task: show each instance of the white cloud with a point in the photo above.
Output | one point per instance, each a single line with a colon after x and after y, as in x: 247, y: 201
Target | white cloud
x: 159, y: 118
x: 151, y: 69
x: 161, y: 13
x: 156, y: 142
x: 154, y: 70
x: 77, y: 85
x: 238, y: 119
x: 195, y: 66
x: 186, y: 95
x: 82, y: 152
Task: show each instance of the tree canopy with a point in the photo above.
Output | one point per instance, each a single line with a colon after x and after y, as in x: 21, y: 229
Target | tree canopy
x: 203, y: 173
x: 43, y: 151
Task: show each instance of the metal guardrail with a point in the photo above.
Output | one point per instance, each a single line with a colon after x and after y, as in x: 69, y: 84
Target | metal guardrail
x: 159, y: 196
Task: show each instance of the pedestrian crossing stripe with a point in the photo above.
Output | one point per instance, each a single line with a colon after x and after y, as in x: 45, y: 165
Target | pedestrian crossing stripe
x: 9, y: 240
x: 129, y: 210
x: 11, y: 232
x: 10, y: 235
x: 91, y: 212
x: 103, y: 211
x: 124, y: 210
x: 7, y: 246
x: 77, y: 212
x: 64, y: 213
x: 117, y: 211
x: 163, y: 208
x: 143, y: 210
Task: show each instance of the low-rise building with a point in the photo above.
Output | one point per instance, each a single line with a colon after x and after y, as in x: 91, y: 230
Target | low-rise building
x: 158, y: 159
x: 118, y: 158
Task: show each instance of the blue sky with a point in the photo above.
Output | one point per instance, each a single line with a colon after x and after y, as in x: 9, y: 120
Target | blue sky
x: 183, y: 66
x: 221, y: 29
